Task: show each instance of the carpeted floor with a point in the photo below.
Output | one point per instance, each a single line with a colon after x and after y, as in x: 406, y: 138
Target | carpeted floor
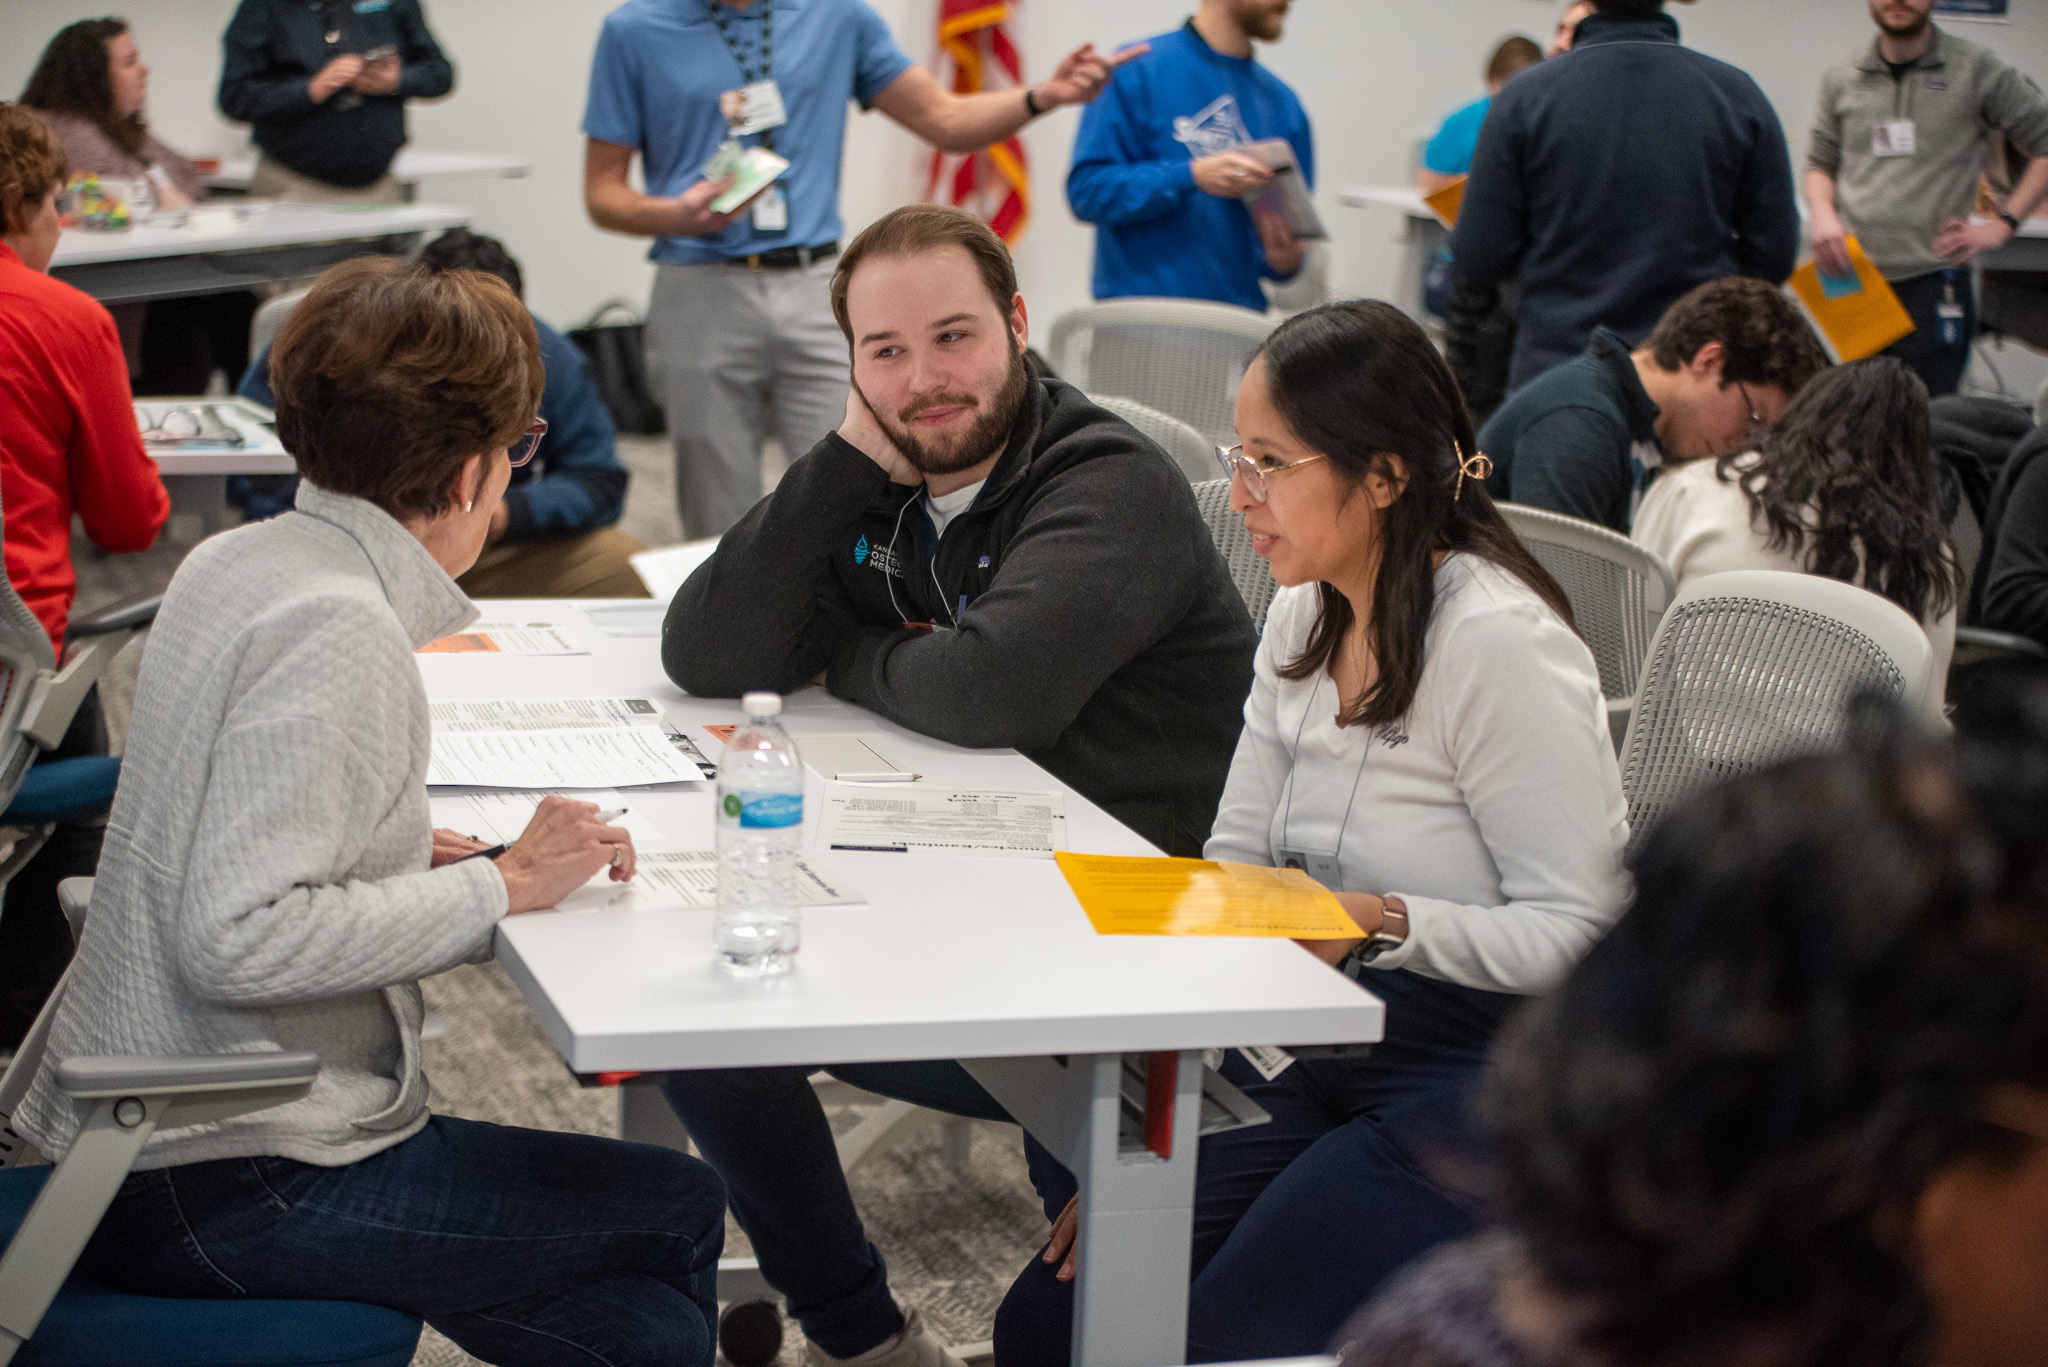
x: 953, y: 1239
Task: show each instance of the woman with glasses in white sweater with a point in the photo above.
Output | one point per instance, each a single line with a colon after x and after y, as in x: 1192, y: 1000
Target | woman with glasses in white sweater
x: 1426, y: 737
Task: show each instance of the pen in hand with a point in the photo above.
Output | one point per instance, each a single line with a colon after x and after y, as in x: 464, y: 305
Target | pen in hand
x: 605, y: 818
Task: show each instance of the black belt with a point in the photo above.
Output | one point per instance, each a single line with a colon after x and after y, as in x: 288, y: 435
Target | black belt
x: 785, y: 258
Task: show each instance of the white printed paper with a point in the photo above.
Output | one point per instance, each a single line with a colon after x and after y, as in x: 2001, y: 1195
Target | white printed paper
x: 506, y: 638
x: 584, y: 757
x: 499, y: 818
x: 541, y: 714
x: 627, y: 621
x: 664, y: 571
x: 915, y: 820
x: 681, y: 880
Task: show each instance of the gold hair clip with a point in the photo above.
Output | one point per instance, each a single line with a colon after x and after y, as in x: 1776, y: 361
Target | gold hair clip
x: 1478, y: 465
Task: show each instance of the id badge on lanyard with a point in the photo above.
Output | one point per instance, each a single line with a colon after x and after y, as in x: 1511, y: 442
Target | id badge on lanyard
x: 1321, y: 867
x: 1894, y: 138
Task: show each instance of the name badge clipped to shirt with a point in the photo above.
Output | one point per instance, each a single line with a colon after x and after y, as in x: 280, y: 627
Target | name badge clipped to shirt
x: 771, y: 211
x: 1894, y: 138
x: 753, y: 108
x: 1321, y: 867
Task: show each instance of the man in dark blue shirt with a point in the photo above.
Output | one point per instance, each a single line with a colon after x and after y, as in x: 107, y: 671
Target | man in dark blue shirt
x: 1618, y: 176
x: 1160, y: 171
x: 552, y: 536
x: 1722, y: 365
x: 323, y: 84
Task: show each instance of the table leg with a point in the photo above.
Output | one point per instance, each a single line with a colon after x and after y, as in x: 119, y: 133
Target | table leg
x: 1137, y: 1207
x: 204, y: 496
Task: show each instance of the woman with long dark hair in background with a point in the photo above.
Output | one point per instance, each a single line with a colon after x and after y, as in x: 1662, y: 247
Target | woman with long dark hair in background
x: 1426, y: 737
x: 1843, y: 487
x: 91, y: 85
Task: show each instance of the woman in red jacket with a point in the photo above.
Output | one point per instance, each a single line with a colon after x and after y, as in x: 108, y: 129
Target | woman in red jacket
x: 68, y: 444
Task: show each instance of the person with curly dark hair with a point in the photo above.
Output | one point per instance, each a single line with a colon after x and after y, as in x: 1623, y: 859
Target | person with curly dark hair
x: 91, y: 84
x: 1844, y: 487
x: 1791, y: 1112
x: 1722, y: 364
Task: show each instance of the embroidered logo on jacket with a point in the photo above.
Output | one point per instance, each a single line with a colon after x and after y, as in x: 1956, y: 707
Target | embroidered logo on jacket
x: 860, y: 551
x: 1217, y: 127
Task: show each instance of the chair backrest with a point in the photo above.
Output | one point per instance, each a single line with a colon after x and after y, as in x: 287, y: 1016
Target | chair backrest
x: 1254, y: 579
x: 1191, y: 451
x: 1618, y: 590
x: 1753, y: 667
x: 270, y: 316
x: 1181, y: 356
x: 25, y: 653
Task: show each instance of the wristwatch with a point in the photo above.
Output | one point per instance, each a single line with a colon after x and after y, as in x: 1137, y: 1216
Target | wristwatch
x: 1392, y: 934
x: 2010, y: 221
x: 1031, y: 102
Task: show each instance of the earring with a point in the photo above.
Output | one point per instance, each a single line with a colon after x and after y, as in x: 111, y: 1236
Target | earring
x: 1478, y: 465
x: 470, y: 506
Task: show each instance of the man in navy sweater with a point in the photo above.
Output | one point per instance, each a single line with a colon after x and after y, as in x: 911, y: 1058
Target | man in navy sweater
x: 1613, y: 179
x: 1159, y: 171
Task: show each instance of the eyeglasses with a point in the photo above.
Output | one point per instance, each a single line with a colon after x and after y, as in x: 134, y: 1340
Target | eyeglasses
x: 1758, y: 424
x: 526, y: 443
x: 1235, y: 462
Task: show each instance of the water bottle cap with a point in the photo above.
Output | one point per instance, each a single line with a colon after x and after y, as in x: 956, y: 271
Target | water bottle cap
x: 761, y: 704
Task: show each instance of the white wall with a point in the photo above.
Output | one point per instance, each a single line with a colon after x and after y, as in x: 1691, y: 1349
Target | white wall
x: 1373, y: 73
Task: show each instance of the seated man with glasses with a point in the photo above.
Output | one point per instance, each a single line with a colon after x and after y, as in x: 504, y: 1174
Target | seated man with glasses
x: 1721, y: 367
x: 983, y: 555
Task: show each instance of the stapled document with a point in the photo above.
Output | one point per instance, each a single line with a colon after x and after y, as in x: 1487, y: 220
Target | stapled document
x: 919, y: 820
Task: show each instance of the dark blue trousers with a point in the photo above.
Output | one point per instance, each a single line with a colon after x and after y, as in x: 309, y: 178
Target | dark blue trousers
x: 523, y: 1246
x: 1937, y: 350
x: 765, y: 1132
x: 1298, y: 1221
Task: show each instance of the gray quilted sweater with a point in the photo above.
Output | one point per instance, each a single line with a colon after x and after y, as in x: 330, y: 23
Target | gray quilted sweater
x: 264, y: 883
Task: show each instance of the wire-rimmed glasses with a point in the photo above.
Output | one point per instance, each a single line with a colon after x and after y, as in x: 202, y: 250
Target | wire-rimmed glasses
x: 1235, y: 462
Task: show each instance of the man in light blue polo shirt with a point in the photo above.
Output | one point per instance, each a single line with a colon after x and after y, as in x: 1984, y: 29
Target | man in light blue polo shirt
x: 741, y: 339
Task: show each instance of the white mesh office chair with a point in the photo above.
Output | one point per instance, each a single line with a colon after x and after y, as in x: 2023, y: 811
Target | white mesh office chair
x: 1618, y: 593
x: 1251, y: 574
x: 1753, y: 667
x: 270, y: 316
x: 1191, y: 451
x: 1181, y: 356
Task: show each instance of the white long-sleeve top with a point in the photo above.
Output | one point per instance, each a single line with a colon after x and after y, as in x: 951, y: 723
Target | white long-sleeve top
x: 1494, y: 809
x: 1702, y: 524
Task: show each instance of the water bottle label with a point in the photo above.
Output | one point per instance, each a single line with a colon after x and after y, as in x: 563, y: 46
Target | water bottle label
x: 766, y: 811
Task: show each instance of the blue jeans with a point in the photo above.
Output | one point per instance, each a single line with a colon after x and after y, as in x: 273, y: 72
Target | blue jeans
x: 1299, y: 1220
x: 523, y: 1246
x: 1939, y: 362
x: 765, y: 1132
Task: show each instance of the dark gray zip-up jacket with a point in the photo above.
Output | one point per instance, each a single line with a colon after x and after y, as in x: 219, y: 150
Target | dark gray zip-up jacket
x: 1098, y: 629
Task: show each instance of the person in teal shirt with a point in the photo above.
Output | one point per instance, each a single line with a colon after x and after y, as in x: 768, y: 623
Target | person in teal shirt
x: 1448, y: 155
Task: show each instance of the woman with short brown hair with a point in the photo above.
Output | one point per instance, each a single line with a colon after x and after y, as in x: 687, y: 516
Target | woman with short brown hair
x: 271, y: 881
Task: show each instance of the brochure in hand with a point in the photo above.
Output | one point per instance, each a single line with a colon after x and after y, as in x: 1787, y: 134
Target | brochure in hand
x: 1288, y: 196
x: 753, y: 170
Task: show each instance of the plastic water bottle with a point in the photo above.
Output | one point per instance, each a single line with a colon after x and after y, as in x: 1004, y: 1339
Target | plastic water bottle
x: 757, y: 928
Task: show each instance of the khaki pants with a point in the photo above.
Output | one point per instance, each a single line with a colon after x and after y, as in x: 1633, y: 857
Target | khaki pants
x: 735, y: 355
x: 274, y: 180
x: 594, y: 565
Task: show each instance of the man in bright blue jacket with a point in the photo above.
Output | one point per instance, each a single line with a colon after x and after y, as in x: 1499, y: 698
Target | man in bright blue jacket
x: 1615, y: 178
x: 1158, y: 166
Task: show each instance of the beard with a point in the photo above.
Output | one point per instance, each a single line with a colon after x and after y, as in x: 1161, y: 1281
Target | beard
x: 1260, y: 19
x: 948, y: 454
x: 1912, y: 28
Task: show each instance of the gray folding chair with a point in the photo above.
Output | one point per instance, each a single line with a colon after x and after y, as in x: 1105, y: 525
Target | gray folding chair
x: 1618, y: 592
x: 1251, y: 574
x: 1191, y: 451
x: 1183, y: 357
x: 1753, y: 667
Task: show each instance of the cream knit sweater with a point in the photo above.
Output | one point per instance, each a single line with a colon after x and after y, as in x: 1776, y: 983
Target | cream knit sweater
x: 264, y: 884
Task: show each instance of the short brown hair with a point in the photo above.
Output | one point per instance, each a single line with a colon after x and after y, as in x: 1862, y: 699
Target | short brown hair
x: 31, y: 165
x: 1511, y: 56
x: 389, y: 376
x: 918, y: 228
x: 1766, y: 339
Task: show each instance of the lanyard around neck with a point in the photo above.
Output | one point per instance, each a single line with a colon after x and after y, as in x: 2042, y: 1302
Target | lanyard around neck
x: 722, y: 20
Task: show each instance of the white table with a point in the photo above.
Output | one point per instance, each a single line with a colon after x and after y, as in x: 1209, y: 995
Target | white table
x: 197, y: 479
x: 215, y: 249
x: 412, y: 167
x: 988, y: 961
x: 1423, y: 235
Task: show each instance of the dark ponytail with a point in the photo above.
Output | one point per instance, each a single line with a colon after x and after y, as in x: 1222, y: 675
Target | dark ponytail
x: 1359, y: 381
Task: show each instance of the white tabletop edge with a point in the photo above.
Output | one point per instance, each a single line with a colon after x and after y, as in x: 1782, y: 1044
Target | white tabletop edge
x: 279, y: 225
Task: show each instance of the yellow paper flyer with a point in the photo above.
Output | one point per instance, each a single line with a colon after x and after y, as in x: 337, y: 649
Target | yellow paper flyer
x: 1446, y: 202
x: 1135, y: 896
x: 1856, y: 318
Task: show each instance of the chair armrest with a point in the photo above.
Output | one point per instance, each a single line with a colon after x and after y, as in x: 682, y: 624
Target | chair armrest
x: 131, y: 615
x: 140, y: 1075
x: 2000, y: 642
x: 74, y: 898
